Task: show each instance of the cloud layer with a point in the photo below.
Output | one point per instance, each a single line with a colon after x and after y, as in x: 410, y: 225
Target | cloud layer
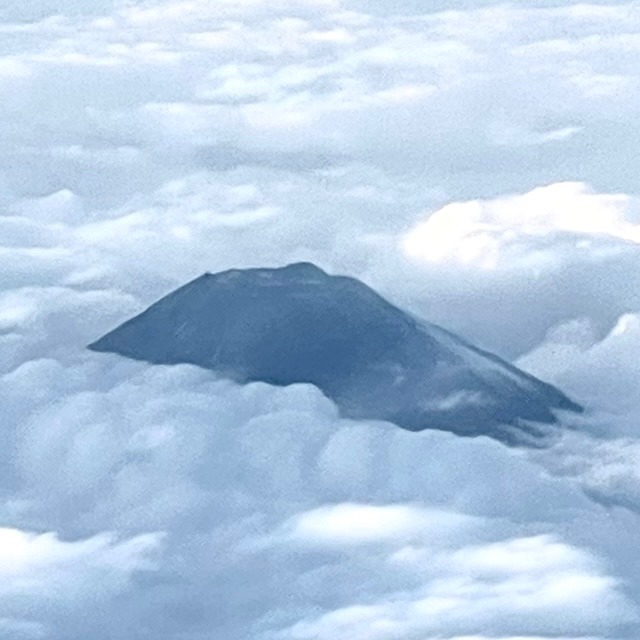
x: 257, y: 499
x: 476, y: 165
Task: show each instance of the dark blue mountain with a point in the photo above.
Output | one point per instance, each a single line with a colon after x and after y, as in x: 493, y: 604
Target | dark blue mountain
x: 298, y: 324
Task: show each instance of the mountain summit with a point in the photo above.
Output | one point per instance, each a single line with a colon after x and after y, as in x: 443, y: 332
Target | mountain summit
x: 297, y: 324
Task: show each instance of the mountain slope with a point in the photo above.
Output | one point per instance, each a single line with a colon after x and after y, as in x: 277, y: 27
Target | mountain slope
x: 299, y: 324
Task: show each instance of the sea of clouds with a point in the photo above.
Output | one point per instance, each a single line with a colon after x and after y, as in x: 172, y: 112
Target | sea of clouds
x: 477, y: 164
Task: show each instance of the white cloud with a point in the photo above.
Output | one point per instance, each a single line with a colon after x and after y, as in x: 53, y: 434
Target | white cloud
x: 509, y: 232
x: 598, y: 368
x: 44, y: 578
x: 462, y: 398
x: 347, y: 524
x: 330, y: 76
x: 527, y: 584
x: 563, y: 248
x: 101, y: 441
x: 142, y: 144
x: 34, y: 563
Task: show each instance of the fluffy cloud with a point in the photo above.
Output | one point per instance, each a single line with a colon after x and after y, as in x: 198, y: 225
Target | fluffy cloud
x: 602, y: 368
x: 397, y: 523
x: 46, y: 566
x: 601, y: 371
x: 496, y: 585
x: 144, y: 143
x: 143, y: 93
x: 44, y: 580
x: 504, y: 233
x: 346, y: 524
x: 570, y: 251
x: 181, y: 142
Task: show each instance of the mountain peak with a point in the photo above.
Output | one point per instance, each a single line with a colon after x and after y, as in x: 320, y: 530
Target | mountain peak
x: 295, y: 271
x: 300, y: 272
x: 298, y: 324
x: 303, y: 269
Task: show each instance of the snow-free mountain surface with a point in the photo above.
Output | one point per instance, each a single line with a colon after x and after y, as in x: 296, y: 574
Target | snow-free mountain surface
x: 298, y: 324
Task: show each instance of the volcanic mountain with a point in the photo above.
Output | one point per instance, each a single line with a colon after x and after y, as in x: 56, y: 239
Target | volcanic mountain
x: 298, y: 324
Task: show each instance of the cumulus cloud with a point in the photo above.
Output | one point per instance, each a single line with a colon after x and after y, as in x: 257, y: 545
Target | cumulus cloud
x: 144, y: 143
x: 495, y: 584
x: 346, y: 524
x: 44, y: 579
x: 568, y: 250
x: 601, y: 368
x: 34, y: 564
x: 489, y: 234
x: 157, y: 130
x: 603, y: 372
x: 147, y: 88
x: 397, y: 523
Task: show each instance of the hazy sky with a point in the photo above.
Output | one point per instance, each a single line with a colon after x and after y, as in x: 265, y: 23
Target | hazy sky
x: 475, y: 162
